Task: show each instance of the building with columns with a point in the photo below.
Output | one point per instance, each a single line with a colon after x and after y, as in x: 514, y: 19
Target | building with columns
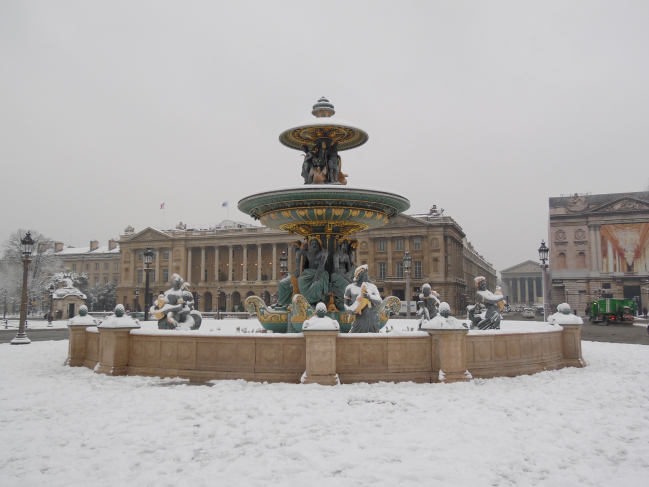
x: 599, y: 246
x: 243, y: 260
x: 101, y: 263
x: 523, y: 283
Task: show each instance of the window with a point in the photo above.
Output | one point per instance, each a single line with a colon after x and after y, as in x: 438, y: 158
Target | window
x: 87, y: 267
x: 165, y: 275
x: 96, y: 281
x: 152, y: 275
x: 105, y: 266
x: 116, y: 265
x: 399, y: 244
x: 561, y: 261
x: 115, y: 280
x: 74, y: 267
x: 417, y: 267
x: 416, y: 242
x: 96, y: 266
x: 606, y: 285
x: 165, y: 254
x: 140, y: 255
x: 382, y: 245
x: 139, y: 275
x: 581, y: 260
x: 381, y: 270
x: 399, y: 269
x: 105, y: 280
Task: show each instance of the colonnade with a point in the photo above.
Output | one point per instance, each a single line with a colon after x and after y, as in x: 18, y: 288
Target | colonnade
x: 518, y: 288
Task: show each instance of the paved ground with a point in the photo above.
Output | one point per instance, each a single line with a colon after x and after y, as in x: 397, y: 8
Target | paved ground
x: 35, y: 335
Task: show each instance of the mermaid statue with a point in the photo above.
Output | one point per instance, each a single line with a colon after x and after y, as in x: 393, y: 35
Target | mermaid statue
x: 362, y: 298
x: 288, y: 285
x: 175, y: 308
x: 343, y: 271
x: 313, y: 282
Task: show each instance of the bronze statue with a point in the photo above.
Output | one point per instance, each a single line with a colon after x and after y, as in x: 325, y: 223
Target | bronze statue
x: 307, y: 165
x: 429, y: 301
x: 314, y: 279
x: 333, y: 165
x: 343, y: 271
x: 288, y: 285
x: 362, y: 298
x: 491, y: 301
x: 171, y: 309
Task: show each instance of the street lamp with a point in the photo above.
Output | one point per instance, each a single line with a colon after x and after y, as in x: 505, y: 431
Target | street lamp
x: 407, y: 263
x: 4, y: 294
x: 137, y: 295
x: 52, y: 289
x: 543, y: 257
x: 283, y: 264
x: 26, y: 249
x: 148, y: 259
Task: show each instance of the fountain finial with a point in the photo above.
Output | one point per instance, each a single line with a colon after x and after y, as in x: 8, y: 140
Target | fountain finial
x: 323, y: 108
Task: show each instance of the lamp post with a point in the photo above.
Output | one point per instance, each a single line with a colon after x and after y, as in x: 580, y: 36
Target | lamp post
x: 26, y: 249
x: 407, y: 262
x: 218, y: 303
x: 4, y: 294
x: 283, y: 264
x: 137, y: 295
x: 52, y: 289
x: 543, y: 257
x: 148, y: 259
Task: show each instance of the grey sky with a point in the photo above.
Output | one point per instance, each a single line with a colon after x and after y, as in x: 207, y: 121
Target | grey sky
x: 487, y: 109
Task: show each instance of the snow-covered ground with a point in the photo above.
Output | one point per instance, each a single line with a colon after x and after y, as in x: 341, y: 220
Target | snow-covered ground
x: 62, y: 426
x: 12, y: 324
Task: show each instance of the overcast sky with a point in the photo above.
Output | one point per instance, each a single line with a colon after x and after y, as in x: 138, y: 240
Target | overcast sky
x: 487, y: 109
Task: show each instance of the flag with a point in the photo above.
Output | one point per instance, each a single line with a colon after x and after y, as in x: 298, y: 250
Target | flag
x: 162, y: 206
x: 225, y: 204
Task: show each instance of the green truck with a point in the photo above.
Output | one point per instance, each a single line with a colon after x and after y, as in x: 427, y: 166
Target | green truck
x: 608, y: 311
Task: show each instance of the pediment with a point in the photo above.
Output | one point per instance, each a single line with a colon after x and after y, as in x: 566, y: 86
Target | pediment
x: 527, y: 266
x: 149, y: 234
x: 403, y: 221
x: 623, y: 205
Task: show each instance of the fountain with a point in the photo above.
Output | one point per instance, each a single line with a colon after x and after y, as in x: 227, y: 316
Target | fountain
x: 326, y: 212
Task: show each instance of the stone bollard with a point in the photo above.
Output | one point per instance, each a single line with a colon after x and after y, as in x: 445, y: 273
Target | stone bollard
x: 321, y: 358
x: 571, y: 338
x: 449, y: 355
x: 77, y: 337
x: 114, y: 335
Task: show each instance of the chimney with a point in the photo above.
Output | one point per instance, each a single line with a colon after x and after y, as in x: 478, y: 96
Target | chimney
x: 112, y: 244
x: 58, y: 246
x: 94, y: 245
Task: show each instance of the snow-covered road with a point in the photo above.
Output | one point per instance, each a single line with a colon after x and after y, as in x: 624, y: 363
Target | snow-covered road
x: 62, y: 426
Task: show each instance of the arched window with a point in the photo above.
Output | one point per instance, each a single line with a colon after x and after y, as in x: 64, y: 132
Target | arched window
x: 561, y: 261
x: 581, y: 260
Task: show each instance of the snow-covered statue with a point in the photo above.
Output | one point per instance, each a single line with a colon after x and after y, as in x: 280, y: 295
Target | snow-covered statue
x: 492, y: 303
x: 320, y: 322
x: 343, y: 271
x: 83, y: 318
x: 444, y: 320
x: 563, y: 316
x: 362, y: 298
x: 175, y: 309
x: 429, y: 302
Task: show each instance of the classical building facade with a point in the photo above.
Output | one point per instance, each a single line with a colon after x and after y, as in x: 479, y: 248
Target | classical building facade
x: 243, y: 260
x: 523, y: 283
x: 599, y: 248
x: 100, y: 263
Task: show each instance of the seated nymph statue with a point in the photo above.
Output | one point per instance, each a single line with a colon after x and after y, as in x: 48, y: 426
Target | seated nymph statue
x: 314, y: 279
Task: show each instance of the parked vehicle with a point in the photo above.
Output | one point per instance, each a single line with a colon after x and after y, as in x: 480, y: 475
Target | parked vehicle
x: 528, y: 313
x: 608, y: 311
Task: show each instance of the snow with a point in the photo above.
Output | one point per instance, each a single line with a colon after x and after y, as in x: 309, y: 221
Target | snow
x: 32, y: 324
x: 63, y: 426
x: 441, y: 323
x: 119, y: 322
x: 320, y: 324
x: 507, y: 327
x: 561, y: 319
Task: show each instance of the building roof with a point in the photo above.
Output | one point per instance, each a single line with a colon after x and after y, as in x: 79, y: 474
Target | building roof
x: 527, y: 266
x: 103, y: 249
x: 598, y: 199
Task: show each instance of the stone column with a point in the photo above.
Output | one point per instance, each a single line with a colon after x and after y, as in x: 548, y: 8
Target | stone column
x: 244, y: 276
x: 321, y: 357
x: 217, y: 257
x: 77, y: 345
x: 593, y: 248
x: 189, y: 265
x: 171, y: 262
x: 231, y: 264
x: 259, y: 262
x: 598, y: 246
x: 449, y: 356
x: 571, y: 337
x: 133, y: 271
x: 534, y: 289
x: 201, y: 280
x: 274, y: 262
x: 388, y: 247
x: 158, y: 277
x: 518, y: 288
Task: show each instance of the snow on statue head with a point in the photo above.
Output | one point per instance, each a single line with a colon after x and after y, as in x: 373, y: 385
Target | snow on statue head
x: 444, y: 310
x: 478, y: 280
x: 426, y: 286
x: 119, y: 310
x: 359, y: 271
x: 564, y: 308
x: 176, y: 281
x: 321, y: 309
x: 83, y: 310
